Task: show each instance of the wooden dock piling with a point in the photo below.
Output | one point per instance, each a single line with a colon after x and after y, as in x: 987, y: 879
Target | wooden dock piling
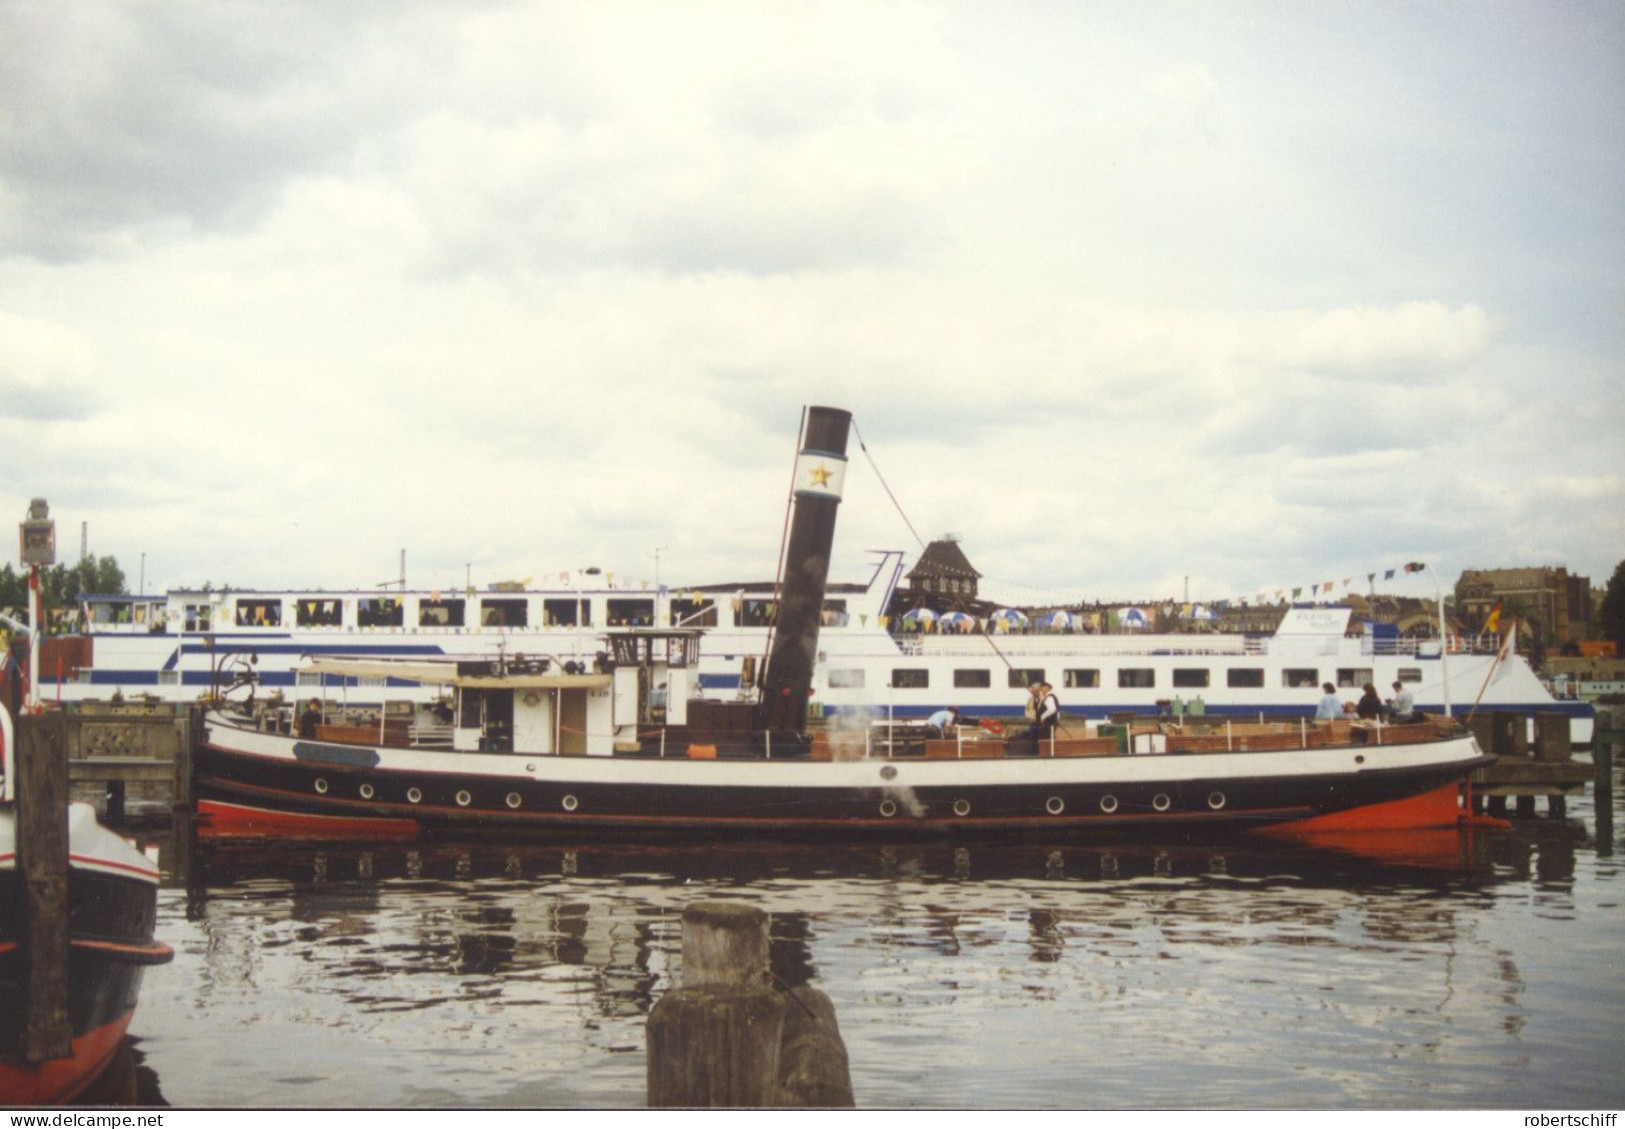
x: 725, y: 1038
x: 1525, y: 771
x: 41, y: 764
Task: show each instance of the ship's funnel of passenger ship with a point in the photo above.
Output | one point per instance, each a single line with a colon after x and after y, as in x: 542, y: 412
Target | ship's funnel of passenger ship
x: 820, y: 477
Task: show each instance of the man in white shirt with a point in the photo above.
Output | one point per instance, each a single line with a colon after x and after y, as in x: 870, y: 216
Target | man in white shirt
x: 1403, y: 705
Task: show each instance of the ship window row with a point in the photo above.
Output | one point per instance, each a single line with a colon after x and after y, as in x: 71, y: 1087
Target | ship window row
x: 488, y: 611
x: 1127, y: 678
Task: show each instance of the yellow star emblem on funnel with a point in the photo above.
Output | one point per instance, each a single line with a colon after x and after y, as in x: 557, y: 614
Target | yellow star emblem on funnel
x: 820, y: 475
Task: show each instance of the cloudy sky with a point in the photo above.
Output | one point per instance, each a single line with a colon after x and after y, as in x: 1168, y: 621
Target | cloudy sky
x: 1132, y: 296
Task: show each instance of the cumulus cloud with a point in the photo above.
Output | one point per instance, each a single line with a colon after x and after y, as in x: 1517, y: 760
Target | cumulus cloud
x: 47, y: 371
x: 521, y: 287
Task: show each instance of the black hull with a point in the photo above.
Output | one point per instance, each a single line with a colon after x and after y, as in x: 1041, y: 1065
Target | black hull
x: 350, y: 798
x: 110, y: 945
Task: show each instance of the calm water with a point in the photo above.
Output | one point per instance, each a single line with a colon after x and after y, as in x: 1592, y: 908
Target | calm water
x: 1480, y: 972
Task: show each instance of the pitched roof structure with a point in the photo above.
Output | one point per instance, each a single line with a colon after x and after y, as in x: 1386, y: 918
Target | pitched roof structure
x: 942, y: 559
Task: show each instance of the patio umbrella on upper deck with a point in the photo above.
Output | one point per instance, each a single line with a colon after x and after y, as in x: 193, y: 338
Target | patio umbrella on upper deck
x: 1008, y: 618
x: 1056, y: 619
x: 956, y: 621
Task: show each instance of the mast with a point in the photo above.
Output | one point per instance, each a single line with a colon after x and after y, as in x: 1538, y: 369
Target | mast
x: 820, y: 477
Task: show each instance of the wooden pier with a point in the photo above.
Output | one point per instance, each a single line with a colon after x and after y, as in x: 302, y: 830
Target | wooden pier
x: 1525, y: 770
x: 123, y: 753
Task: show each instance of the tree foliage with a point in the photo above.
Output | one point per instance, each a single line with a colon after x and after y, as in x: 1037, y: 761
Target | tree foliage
x: 62, y: 584
x: 1611, y: 616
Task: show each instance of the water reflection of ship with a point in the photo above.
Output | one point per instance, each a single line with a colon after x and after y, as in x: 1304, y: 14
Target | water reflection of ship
x: 593, y: 931
x: 493, y: 910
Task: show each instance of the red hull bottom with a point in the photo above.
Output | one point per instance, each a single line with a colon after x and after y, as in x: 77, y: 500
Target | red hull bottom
x: 62, y: 1079
x: 237, y: 820
x: 1436, y: 809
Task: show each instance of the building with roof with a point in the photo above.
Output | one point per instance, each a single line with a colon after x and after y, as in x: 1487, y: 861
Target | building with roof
x: 1558, y: 603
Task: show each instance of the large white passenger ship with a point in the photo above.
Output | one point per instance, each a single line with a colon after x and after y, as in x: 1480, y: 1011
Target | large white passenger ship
x: 177, y: 646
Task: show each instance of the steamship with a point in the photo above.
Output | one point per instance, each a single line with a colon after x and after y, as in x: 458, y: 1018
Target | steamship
x: 620, y: 740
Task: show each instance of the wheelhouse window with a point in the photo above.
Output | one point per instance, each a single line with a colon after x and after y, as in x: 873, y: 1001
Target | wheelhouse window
x: 834, y: 614
x: 440, y: 613
x: 503, y: 613
x: 318, y: 613
x: 1021, y: 677
x: 972, y: 679
x: 384, y: 611
x: 1081, y: 679
x: 1136, y: 678
x: 910, y: 679
x: 259, y: 613
x: 1190, y: 678
x: 1353, y: 677
x: 199, y: 617
x: 631, y: 613
x: 846, y: 679
x: 693, y: 613
x: 1245, y: 678
x: 1298, y: 677
x: 567, y: 613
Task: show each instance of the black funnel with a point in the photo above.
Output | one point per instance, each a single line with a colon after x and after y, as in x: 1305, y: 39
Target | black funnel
x: 820, y: 476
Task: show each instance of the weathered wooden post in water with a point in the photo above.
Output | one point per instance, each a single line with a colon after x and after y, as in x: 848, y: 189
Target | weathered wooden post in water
x: 725, y: 1038
x: 35, y: 771
x: 40, y: 764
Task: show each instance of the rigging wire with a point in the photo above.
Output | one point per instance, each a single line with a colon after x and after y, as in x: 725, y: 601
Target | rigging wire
x: 864, y: 447
x: 958, y: 604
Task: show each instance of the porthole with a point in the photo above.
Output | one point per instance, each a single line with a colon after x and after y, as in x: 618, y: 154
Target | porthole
x: 889, y: 772
x: 1216, y: 800
x: 366, y: 792
x: 513, y: 800
x: 321, y: 787
x: 1360, y: 759
x: 413, y: 795
x: 533, y: 699
x: 570, y: 803
x: 1055, y: 805
x: 961, y: 807
x: 1161, y: 802
x: 1108, y: 804
x: 464, y: 799
x: 887, y: 808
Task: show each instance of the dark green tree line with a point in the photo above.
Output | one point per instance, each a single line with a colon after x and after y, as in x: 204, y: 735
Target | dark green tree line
x: 62, y: 584
x: 1611, y: 616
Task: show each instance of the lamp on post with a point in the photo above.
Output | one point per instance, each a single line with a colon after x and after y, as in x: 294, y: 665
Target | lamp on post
x: 1444, y: 638
x: 37, y: 535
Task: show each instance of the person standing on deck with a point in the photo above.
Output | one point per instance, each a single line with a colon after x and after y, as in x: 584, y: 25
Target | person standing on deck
x: 1331, y: 706
x: 1049, y: 711
x: 943, y: 721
